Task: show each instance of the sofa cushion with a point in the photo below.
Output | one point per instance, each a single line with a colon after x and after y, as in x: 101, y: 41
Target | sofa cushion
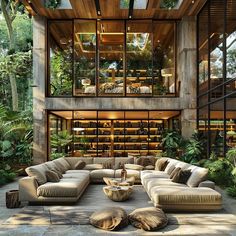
x: 52, y: 176
x: 73, y: 161
x: 76, y: 174
x: 161, y: 164
x: 80, y: 165
x: 60, y: 166
x: 64, y: 163
x: 153, y: 174
x: 181, y: 176
x: 149, y: 218
x: 174, y: 172
x: 152, y: 183
x: 145, y: 161
x: 170, y: 167
x: 38, y: 171
x: 149, y: 167
x: 130, y: 173
x: 67, y: 187
x: 165, y: 195
x: 120, y: 161
x: 109, y: 218
x: 93, y: 167
x: 107, y: 162
x: 52, y: 166
x: 99, y: 174
x: 198, y: 175
x: 133, y: 167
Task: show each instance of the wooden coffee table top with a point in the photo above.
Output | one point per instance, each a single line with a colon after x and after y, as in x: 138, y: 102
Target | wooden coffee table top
x: 119, y: 182
x: 118, y: 193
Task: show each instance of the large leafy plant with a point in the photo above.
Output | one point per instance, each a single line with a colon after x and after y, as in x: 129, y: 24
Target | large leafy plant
x: 194, y: 149
x: 52, y: 4
x: 172, y: 141
x: 59, y: 141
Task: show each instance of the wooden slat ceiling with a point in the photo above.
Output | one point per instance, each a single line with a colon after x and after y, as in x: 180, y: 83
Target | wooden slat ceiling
x: 116, y: 114
x: 110, y: 9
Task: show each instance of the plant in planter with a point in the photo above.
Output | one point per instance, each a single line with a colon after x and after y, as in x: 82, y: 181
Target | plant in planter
x: 52, y: 4
x: 59, y: 141
x: 231, y: 156
x: 84, y: 145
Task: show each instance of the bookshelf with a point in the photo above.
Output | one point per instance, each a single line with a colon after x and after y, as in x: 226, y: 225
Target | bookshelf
x: 118, y: 138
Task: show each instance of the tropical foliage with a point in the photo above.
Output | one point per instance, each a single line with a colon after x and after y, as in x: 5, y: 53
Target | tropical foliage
x: 16, y: 133
x: 59, y: 142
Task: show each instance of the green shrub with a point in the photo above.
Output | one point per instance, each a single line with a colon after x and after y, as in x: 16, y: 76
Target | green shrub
x: 231, y: 191
x: 6, y: 175
x: 220, y: 171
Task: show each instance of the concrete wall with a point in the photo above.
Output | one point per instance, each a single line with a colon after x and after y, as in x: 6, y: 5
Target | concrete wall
x: 39, y: 72
x: 186, y: 71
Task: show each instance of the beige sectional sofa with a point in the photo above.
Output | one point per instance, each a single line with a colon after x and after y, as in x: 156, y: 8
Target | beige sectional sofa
x: 197, y: 194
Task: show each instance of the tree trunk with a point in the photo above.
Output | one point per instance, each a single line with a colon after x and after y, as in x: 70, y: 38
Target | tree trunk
x: 9, y: 21
x: 14, y: 92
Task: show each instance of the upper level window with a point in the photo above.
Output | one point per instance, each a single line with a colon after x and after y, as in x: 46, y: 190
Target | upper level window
x: 111, y: 58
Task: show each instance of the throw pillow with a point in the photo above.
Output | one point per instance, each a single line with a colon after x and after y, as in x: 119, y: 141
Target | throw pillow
x: 80, y: 165
x: 149, y: 218
x: 149, y: 167
x: 161, y: 164
x: 174, y: 171
x: 109, y: 218
x: 182, y: 176
x: 52, y: 176
x: 58, y: 172
x: 133, y: 167
x: 107, y: 165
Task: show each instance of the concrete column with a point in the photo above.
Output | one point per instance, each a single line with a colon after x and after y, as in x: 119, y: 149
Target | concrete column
x: 39, y: 69
x: 187, y: 73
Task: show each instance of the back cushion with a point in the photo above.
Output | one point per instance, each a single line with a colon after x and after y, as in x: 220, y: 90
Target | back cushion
x: 74, y: 160
x: 107, y: 162
x: 60, y: 165
x: 39, y: 172
x: 120, y: 161
x: 198, y: 175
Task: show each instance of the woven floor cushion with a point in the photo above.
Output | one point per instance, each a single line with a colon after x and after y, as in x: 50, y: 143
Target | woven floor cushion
x: 110, y: 218
x: 149, y: 218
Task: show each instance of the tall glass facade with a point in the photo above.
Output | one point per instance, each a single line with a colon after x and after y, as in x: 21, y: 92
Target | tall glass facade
x: 217, y: 75
x: 116, y: 58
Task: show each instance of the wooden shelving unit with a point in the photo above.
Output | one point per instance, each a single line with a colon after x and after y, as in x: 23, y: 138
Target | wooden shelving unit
x: 117, y: 137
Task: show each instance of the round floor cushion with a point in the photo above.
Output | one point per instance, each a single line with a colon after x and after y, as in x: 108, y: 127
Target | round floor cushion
x: 148, y: 219
x: 109, y: 218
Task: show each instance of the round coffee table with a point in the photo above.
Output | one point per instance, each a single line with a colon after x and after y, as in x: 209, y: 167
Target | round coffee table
x: 118, y: 193
x: 119, y: 182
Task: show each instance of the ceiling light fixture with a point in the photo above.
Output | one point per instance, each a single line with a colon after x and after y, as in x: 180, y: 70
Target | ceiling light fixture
x: 98, y: 9
x: 131, y: 8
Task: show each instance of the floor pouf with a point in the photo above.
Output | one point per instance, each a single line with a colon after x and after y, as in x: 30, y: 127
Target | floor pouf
x: 148, y: 219
x: 109, y: 218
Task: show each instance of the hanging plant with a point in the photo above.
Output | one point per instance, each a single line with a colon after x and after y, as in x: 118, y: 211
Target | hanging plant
x: 52, y: 4
x: 169, y: 4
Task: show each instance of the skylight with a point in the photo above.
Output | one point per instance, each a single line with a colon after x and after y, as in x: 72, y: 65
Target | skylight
x: 138, y: 4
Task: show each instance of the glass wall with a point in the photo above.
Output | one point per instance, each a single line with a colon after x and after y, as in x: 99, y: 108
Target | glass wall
x: 139, y: 58
x: 60, y: 58
x: 95, y: 133
x: 85, y: 58
x: 111, y: 58
x: 163, y: 58
x: 217, y: 75
x: 111, y: 38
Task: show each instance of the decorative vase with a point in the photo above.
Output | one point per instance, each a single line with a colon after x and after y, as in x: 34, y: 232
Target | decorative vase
x: 123, y: 173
